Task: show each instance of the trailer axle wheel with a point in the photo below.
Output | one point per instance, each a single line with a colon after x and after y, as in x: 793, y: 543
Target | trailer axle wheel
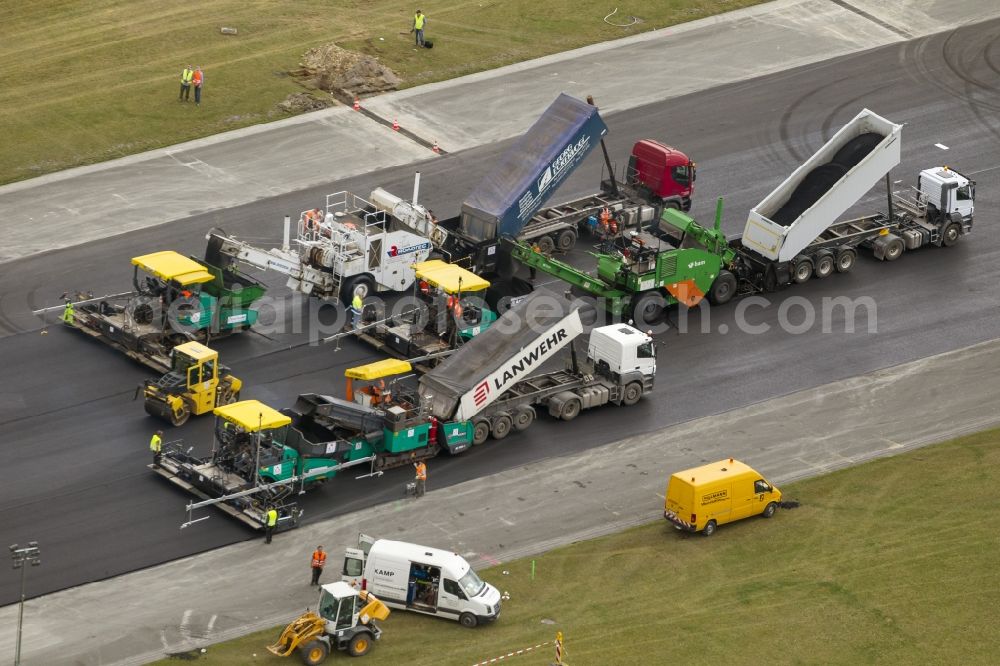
x: 523, y: 417
x: 825, y: 265
x: 501, y: 426
x: 480, y: 432
x: 846, y: 259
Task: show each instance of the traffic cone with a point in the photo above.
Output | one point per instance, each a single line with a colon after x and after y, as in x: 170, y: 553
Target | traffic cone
x: 357, y: 103
x: 435, y: 148
x: 395, y: 125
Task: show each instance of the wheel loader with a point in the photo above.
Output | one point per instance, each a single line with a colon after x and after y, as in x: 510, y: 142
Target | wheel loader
x: 196, y: 384
x: 345, y: 620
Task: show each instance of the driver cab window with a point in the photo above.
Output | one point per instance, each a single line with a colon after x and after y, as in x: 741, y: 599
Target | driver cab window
x: 345, y: 617
x: 452, y: 588
x: 761, y: 486
x: 194, y: 375
x: 645, y: 351
x: 683, y: 175
x: 964, y: 193
x: 208, y: 373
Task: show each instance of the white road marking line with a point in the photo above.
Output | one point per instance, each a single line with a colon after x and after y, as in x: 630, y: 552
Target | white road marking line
x: 211, y: 624
x: 509, y: 523
x: 941, y: 146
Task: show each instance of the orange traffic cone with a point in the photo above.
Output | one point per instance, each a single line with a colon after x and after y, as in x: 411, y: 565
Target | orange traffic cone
x: 435, y: 148
x: 395, y: 125
x: 357, y: 103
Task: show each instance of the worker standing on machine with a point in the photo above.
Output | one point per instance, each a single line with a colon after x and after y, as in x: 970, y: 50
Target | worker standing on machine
x: 67, y: 314
x: 156, y: 446
x: 357, y: 305
x: 272, y: 520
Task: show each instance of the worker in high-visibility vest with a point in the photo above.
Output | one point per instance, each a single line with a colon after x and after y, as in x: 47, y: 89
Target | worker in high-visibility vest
x: 419, y: 21
x: 67, y: 314
x: 421, y: 478
x: 156, y: 446
x: 272, y: 520
x: 357, y: 305
x: 186, y: 76
x: 318, y: 562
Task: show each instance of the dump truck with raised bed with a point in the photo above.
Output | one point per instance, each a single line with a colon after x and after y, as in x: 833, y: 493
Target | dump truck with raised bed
x: 508, y: 201
x: 174, y: 299
x: 347, y: 248
x: 498, y: 381
x: 794, y: 234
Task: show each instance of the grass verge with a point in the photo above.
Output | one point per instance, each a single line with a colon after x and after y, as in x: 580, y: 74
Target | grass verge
x: 893, y: 561
x: 84, y: 82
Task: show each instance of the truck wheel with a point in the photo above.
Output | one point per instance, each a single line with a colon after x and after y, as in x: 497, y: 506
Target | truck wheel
x: 314, y: 652
x: 631, y: 394
x: 180, y: 417
x: 894, y: 250
x: 769, y: 510
x: 648, y: 309
x: 480, y: 432
x: 566, y: 240
x: 362, y: 285
x: 825, y: 265
x: 723, y: 289
x: 951, y: 234
x: 467, y: 620
x: 845, y: 260
x: 545, y: 245
x: 803, y: 271
x: 570, y: 409
x: 501, y: 426
x: 360, y: 645
x: 709, y: 528
x: 523, y: 417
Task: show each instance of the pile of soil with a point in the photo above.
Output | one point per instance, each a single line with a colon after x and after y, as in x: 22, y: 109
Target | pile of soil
x: 303, y: 102
x: 346, y: 73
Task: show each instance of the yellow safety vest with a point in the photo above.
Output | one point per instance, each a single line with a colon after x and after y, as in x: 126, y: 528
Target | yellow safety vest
x: 418, y: 21
x: 186, y: 76
x: 272, y: 518
x: 67, y: 315
x: 357, y: 303
x: 154, y: 444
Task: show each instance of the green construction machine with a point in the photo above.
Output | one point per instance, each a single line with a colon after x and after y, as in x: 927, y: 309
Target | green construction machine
x: 645, y: 272
x: 174, y: 299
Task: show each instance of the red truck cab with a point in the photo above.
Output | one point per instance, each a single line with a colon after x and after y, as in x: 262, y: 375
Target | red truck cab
x: 661, y: 173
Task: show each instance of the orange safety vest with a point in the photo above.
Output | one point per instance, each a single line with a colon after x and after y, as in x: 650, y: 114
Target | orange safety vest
x: 319, y: 559
x: 421, y: 471
x: 196, y: 78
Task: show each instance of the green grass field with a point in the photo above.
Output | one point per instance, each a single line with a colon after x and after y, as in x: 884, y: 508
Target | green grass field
x: 892, y: 562
x: 83, y: 82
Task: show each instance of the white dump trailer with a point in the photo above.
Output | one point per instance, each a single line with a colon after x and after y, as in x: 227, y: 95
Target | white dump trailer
x: 823, y: 188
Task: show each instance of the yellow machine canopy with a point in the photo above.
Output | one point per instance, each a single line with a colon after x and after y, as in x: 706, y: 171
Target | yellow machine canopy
x: 449, y: 277
x: 252, y: 415
x: 378, y: 370
x: 195, y: 350
x: 172, y: 266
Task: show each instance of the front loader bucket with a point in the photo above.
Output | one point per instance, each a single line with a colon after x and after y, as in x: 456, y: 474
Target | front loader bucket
x: 299, y: 632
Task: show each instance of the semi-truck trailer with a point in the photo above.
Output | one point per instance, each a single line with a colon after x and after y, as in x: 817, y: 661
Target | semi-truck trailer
x: 508, y: 201
x: 794, y: 234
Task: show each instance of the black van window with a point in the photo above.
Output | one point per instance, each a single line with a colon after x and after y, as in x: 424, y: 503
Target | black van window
x: 760, y: 486
x: 451, y: 587
x: 353, y: 566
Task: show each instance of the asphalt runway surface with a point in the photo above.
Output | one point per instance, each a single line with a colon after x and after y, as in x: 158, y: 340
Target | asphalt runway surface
x: 75, y: 444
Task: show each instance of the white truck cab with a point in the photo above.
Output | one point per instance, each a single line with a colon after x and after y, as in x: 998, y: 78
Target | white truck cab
x: 622, y: 349
x: 947, y: 192
x: 421, y: 579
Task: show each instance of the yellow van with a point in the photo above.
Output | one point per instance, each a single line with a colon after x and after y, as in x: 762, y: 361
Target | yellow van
x: 702, y: 498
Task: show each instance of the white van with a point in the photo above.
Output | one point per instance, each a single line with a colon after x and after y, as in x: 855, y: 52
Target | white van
x: 417, y: 578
